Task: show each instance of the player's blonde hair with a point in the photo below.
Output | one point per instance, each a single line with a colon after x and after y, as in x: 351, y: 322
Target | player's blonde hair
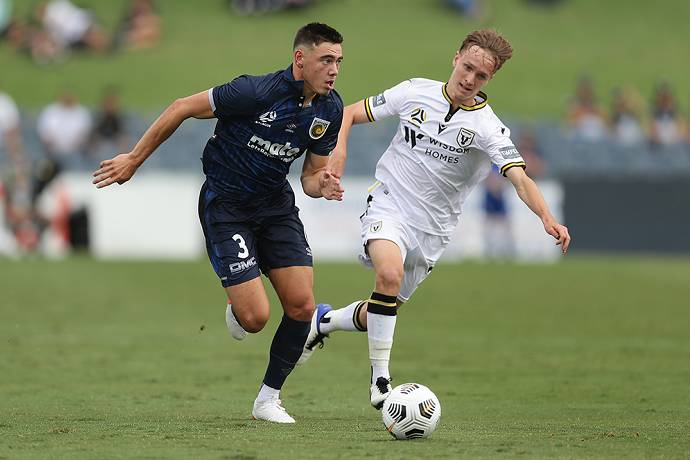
x: 491, y: 41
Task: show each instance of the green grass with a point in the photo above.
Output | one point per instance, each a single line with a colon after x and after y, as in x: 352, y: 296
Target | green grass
x: 636, y: 42
x: 583, y: 359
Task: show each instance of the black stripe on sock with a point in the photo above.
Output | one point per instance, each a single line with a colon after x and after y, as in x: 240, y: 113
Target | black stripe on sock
x: 389, y: 300
x: 382, y: 310
x: 355, y: 316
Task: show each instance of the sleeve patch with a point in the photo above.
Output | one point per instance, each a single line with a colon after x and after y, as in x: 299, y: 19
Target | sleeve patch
x: 379, y: 99
x: 509, y: 152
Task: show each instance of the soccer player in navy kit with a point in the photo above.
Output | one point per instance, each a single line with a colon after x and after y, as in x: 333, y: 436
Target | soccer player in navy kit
x: 246, y: 206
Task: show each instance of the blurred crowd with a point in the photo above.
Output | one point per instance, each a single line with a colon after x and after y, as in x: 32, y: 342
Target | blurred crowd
x: 67, y: 136
x: 247, y: 7
x: 628, y: 121
x: 56, y: 28
x: 70, y: 136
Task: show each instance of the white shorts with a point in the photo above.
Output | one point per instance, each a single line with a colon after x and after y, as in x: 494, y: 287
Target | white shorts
x: 383, y: 220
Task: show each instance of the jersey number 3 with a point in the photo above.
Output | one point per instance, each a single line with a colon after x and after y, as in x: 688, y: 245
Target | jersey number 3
x: 244, y: 251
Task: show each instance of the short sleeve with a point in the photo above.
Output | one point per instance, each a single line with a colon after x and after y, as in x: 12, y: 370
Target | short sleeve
x: 237, y: 97
x: 501, y: 150
x: 325, y: 145
x: 388, y: 103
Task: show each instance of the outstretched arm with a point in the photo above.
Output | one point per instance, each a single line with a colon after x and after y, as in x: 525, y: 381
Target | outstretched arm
x: 529, y: 193
x: 353, y: 114
x: 123, y: 166
x: 318, y: 181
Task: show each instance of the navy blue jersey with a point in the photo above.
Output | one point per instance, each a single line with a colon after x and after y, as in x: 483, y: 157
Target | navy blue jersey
x: 263, y: 126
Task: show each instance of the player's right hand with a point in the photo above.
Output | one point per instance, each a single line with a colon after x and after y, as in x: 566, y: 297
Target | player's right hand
x: 330, y: 186
x: 336, y: 162
x: 119, y: 169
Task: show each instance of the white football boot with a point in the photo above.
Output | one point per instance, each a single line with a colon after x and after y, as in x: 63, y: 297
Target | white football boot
x: 379, y: 392
x: 315, y: 336
x: 236, y: 331
x: 271, y: 410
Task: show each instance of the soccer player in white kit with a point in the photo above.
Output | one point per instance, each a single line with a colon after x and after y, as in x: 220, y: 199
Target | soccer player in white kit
x: 447, y: 138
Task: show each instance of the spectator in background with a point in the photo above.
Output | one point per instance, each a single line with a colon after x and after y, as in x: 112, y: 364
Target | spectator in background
x: 266, y: 6
x: 71, y: 27
x: 666, y: 125
x: 626, y: 126
x: 140, y: 27
x: 16, y: 207
x: 5, y: 17
x: 527, y: 146
x: 64, y: 127
x: 467, y: 8
x: 497, y: 231
x: 586, y: 119
x: 10, y: 136
x: 109, y: 127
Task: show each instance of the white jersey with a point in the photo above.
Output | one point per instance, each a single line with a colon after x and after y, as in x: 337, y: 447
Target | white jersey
x: 437, y: 157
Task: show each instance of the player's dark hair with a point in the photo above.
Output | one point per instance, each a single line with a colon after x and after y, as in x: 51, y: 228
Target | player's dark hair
x: 315, y: 33
x: 492, y: 42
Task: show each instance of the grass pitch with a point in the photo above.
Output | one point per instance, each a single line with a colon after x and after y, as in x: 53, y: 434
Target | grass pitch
x: 583, y: 359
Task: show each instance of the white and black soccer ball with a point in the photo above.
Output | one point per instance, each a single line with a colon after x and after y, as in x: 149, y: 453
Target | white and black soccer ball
x: 411, y: 411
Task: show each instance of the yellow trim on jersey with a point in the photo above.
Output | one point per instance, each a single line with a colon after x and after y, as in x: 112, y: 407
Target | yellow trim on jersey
x: 481, y: 94
x: 445, y: 94
x: 385, y: 304
x: 367, y: 109
x: 373, y: 187
x: 505, y: 168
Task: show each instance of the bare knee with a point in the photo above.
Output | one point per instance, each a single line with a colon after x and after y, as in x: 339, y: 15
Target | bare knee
x: 300, y: 311
x: 388, y: 279
x: 252, y: 320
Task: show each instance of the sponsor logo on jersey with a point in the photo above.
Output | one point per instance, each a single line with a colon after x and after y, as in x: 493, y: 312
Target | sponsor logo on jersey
x: 267, y: 118
x: 450, y: 148
x: 318, y: 128
x: 412, y: 136
x: 509, y: 152
x: 378, y: 100
x: 284, y: 152
x: 418, y: 116
x: 376, y: 226
x: 465, y: 137
x: 242, y: 265
x: 446, y: 158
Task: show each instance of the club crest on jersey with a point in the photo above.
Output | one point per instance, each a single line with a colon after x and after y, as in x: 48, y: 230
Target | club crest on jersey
x: 418, y: 116
x: 376, y: 226
x: 465, y: 137
x: 318, y: 128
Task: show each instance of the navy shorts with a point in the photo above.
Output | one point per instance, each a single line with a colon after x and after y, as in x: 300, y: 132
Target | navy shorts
x: 242, y: 244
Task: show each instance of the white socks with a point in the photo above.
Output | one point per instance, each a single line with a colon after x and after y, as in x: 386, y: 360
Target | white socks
x: 382, y: 313
x: 342, y: 319
x: 267, y: 392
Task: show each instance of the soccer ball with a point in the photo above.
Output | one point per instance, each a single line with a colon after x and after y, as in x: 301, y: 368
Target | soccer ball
x: 411, y: 411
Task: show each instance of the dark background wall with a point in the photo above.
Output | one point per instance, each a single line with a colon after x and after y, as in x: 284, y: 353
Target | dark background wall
x: 630, y: 214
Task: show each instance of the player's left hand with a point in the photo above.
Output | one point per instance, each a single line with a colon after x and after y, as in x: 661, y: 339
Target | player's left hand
x: 330, y: 186
x: 559, y: 232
